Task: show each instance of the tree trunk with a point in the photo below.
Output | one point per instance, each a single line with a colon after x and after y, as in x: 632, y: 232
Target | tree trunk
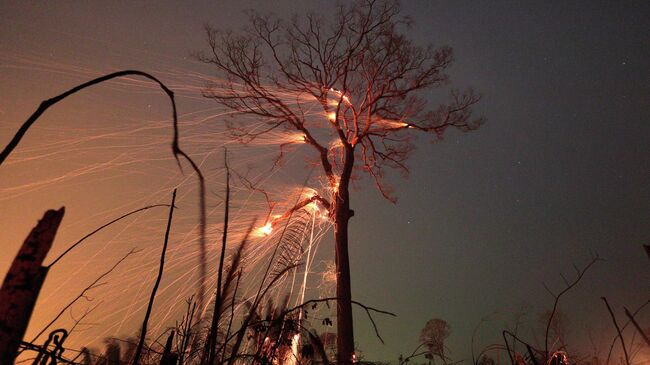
x: 345, y: 330
x: 345, y: 334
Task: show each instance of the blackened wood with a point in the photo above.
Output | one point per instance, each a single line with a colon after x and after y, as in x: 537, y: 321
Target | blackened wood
x: 23, y: 283
x: 169, y: 357
x: 143, y: 333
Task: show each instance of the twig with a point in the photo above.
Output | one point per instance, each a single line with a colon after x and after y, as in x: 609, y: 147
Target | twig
x: 516, y: 338
x: 46, y: 104
x: 618, y: 330
x: 611, y: 346
x: 261, y: 291
x: 260, y: 294
x: 579, y: 275
x: 102, y: 227
x: 365, y: 307
x: 82, y: 294
x: 232, y: 317
x: 483, y: 320
x: 176, y: 150
x: 143, y: 334
x: 187, y: 331
x: 78, y: 321
x: 636, y: 325
x: 211, y: 343
x: 413, y: 354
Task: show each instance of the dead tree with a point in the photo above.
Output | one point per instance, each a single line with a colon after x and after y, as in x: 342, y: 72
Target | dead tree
x: 23, y: 283
x: 363, y: 76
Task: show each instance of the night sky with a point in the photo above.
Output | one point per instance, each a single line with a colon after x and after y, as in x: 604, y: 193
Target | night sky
x: 560, y: 170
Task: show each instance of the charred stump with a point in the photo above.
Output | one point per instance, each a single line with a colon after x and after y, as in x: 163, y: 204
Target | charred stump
x: 23, y: 283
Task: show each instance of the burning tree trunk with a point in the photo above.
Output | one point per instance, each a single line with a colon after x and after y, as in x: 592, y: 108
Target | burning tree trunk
x: 23, y: 283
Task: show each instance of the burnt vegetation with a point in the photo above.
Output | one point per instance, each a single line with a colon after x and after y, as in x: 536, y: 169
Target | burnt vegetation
x: 368, y: 83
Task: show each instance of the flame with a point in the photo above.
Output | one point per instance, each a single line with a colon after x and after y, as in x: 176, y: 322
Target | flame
x: 340, y: 94
x: 265, y: 230
x: 337, y: 143
x: 324, y: 215
x: 313, y: 206
x: 335, y: 186
x: 395, y: 124
x: 310, y: 193
x: 294, y: 350
x: 331, y: 116
x: 298, y: 138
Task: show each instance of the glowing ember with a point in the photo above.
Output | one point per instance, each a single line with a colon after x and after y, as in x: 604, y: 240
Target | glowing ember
x: 335, y: 186
x: 391, y: 123
x: 344, y: 97
x: 313, y: 206
x: 298, y: 138
x: 310, y: 193
x: 265, y: 230
x: 294, y: 349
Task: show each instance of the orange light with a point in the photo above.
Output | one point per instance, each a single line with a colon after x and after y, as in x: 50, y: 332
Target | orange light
x: 344, y: 97
x: 335, y: 186
x: 331, y: 116
x: 313, y: 206
x: 265, y: 230
x: 325, y: 215
x: 337, y: 143
x: 298, y: 138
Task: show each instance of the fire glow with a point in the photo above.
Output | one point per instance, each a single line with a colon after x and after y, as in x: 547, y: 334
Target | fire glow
x: 265, y: 230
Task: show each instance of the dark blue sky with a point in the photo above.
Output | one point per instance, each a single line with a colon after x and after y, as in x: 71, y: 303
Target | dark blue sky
x: 561, y: 168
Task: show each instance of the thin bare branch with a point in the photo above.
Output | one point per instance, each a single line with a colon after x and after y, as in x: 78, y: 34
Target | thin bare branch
x: 102, y: 227
x: 365, y: 307
x: 557, y: 297
x: 96, y: 283
x: 143, y: 333
x: 636, y: 325
x: 618, y: 330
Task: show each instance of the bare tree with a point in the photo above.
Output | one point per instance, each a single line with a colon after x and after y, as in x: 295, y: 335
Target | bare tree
x: 433, y: 336
x: 349, y: 87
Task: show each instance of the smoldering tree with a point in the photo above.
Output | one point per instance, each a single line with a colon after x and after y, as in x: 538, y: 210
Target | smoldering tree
x: 364, y: 77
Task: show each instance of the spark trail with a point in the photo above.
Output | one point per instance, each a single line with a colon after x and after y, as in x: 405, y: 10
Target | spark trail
x: 101, y: 155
